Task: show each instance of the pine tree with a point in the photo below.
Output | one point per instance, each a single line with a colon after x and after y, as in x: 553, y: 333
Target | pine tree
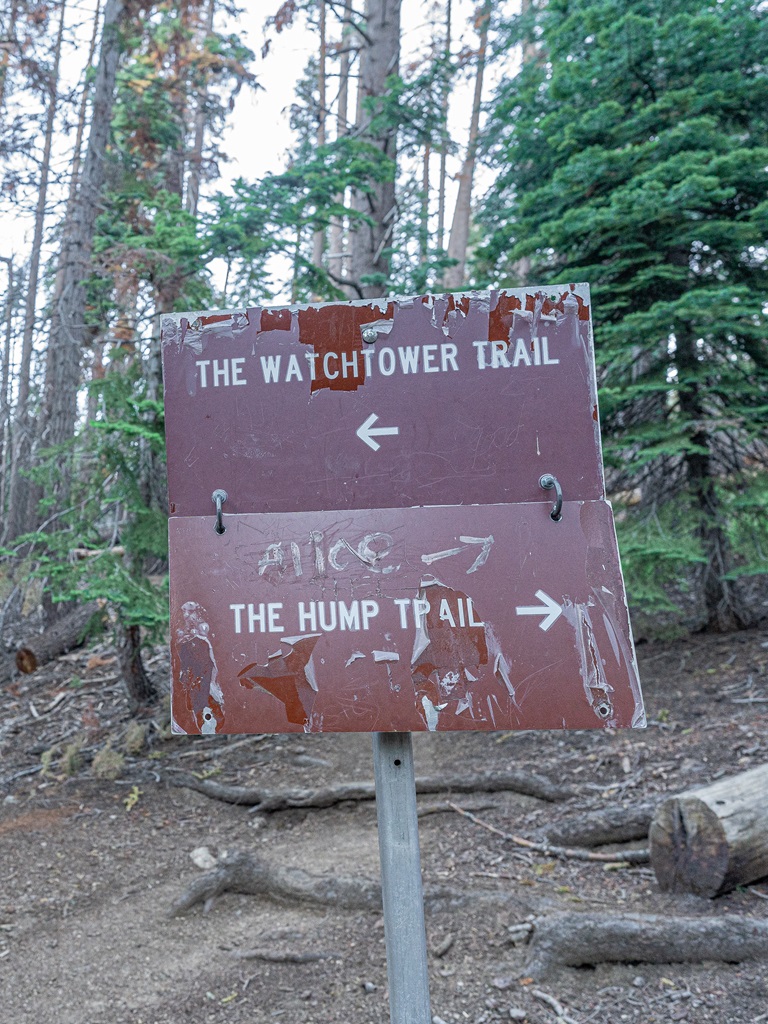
x: 632, y: 153
x: 149, y: 254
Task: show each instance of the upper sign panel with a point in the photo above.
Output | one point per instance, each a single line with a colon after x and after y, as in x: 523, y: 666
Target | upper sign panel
x: 455, y: 399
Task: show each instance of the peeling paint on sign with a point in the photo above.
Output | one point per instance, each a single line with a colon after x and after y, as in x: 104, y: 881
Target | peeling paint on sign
x: 388, y: 560
x: 365, y: 637
x: 426, y: 400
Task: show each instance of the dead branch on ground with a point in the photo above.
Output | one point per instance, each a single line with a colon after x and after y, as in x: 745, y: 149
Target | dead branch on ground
x: 64, y: 634
x: 253, y: 876
x: 553, y: 1004
x: 446, y: 807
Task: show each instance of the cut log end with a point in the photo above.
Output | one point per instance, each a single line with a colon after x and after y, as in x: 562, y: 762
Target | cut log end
x: 689, y: 849
x: 63, y: 635
x: 26, y: 660
x: 708, y: 841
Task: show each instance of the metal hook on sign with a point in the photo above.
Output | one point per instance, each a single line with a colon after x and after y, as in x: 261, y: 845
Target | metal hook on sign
x: 548, y: 481
x: 218, y: 498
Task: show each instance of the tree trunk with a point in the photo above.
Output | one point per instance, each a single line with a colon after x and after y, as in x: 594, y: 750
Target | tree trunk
x: 336, y: 240
x: 9, y: 34
x: 462, y: 215
x: 139, y: 687
x: 65, y: 634
x: 723, y: 609
x: 153, y: 482
x: 68, y: 328
x: 444, y: 137
x: 379, y: 58
x: 175, y: 59
x: 74, y: 181
x: 424, y: 210
x: 77, y: 155
x: 531, y: 52
x: 707, y: 841
x: 19, y: 486
x: 318, y: 238
x: 5, y: 384
x: 599, y: 828
x: 196, y: 156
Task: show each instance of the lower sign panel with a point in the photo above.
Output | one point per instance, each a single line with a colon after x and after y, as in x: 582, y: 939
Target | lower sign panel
x: 434, y: 618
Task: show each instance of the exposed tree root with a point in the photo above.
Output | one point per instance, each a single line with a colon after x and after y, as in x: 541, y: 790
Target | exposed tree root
x: 598, y: 828
x: 527, y: 783
x: 275, y: 956
x: 573, y: 939
x: 253, y: 876
x: 246, y: 873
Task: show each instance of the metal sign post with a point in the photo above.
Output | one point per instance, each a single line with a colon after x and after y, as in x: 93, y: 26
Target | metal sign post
x: 402, y: 895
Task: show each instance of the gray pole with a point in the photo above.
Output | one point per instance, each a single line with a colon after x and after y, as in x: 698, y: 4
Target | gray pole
x: 402, y: 894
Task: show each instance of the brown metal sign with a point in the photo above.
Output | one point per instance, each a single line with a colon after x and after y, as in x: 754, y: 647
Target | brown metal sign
x: 401, y: 619
x: 383, y: 404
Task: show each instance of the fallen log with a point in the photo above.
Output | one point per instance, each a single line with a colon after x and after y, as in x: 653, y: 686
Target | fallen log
x: 561, y: 852
x: 574, y: 939
x: 63, y: 635
x: 707, y: 841
x: 527, y: 783
x: 599, y: 828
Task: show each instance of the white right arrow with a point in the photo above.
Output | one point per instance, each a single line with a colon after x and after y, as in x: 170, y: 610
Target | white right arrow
x: 550, y: 609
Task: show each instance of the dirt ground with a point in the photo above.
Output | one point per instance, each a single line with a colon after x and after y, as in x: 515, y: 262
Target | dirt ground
x: 92, y: 865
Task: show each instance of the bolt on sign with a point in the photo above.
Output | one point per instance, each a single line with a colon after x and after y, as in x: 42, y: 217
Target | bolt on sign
x: 390, y: 515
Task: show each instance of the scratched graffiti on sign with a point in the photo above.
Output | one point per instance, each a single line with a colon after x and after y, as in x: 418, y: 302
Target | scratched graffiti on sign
x: 387, y: 559
x: 479, y: 617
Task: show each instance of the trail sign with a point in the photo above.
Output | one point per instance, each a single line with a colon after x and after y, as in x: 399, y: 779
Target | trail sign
x: 460, y: 617
x: 387, y: 558
x: 434, y: 400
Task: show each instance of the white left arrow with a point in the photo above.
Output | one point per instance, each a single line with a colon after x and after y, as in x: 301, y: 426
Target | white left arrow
x: 367, y: 431
x: 550, y: 609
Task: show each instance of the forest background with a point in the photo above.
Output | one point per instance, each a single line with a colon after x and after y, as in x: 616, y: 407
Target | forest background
x: 620, y: 143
